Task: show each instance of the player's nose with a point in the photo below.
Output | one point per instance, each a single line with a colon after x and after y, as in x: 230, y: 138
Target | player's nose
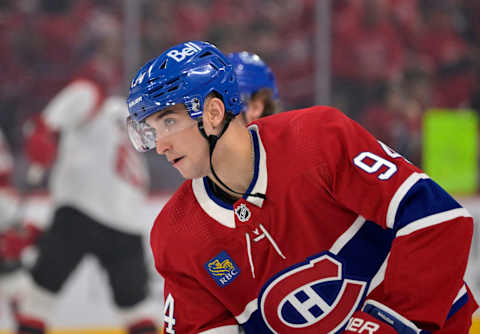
x: 162, y: 146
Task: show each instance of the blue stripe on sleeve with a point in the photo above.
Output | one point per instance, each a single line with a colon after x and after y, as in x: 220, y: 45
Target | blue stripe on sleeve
x: 367, y: 250
x: 425, y: 198
x: 458, y: 305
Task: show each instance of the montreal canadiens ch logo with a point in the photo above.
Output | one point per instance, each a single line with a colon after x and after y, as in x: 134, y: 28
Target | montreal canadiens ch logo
x: 311, y: 297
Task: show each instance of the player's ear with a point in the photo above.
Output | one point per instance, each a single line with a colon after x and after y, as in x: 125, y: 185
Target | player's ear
x: 213, y: 114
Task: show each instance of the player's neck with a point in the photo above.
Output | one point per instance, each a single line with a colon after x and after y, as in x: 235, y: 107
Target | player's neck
x: 233, y: 159
x: 222, y: 194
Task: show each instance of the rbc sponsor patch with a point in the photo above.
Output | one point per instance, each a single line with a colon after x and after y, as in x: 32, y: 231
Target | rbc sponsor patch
x: 222, y: 269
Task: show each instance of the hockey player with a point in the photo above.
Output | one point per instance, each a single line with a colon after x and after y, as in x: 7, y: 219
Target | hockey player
x: 98, y: 185
x: 256, y: 82
x: 301, y: 223
x: 15, y: 233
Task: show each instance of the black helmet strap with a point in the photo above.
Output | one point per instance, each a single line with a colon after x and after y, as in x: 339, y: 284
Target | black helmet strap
x: 212, y: 142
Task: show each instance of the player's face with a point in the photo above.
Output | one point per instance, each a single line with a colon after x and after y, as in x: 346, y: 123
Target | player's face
x: 178, y: 138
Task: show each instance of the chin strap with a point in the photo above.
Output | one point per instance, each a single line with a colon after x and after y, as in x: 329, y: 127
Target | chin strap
x: 212, y: 142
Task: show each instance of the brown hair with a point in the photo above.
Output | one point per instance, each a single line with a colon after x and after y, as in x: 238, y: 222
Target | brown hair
x: 266, y: 96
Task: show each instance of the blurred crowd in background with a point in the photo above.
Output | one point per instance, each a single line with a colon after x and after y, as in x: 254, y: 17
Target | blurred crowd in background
x: 391, y: 60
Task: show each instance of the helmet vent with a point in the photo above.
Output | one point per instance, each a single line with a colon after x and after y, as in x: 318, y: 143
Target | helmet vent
x: 156, y: 88
x: 164, y: 65
x: 173, y: 88
x: 171, y: 81
x: 221, y: 61
x: 208, y: 53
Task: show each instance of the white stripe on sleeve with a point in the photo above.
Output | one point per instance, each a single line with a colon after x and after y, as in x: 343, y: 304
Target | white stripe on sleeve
x: 347, y: 235
x: 232, y: 329
x: 399, y: 194
x: 462, y: 292
x: 249, y: 309
x: 432, y: 220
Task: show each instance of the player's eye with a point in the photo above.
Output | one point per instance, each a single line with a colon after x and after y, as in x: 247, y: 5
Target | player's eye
x: 169, y: 122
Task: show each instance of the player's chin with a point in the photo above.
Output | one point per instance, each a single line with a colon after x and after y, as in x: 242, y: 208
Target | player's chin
x: 188, y: 173
x: 192, y: 168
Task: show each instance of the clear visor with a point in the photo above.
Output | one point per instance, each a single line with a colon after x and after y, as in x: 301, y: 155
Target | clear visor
x: 144, y: 136
x: 141, y: 135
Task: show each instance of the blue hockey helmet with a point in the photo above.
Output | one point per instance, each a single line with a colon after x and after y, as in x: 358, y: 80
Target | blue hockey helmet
x: 186, y: 73
x: 252, y: 74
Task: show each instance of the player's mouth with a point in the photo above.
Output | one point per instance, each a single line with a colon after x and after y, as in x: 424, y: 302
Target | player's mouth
x: 176, y: 161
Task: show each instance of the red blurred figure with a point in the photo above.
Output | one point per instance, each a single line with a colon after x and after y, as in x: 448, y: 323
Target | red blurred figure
x: 15, y: 234
x: 41, y: 147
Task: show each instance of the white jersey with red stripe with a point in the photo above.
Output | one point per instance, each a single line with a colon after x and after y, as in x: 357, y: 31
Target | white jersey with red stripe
x: 344, y: 218
x: 8, y: 196
x: 97, y: 170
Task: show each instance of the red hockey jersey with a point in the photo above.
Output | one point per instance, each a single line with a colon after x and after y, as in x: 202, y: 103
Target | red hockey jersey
x: 344, y: 219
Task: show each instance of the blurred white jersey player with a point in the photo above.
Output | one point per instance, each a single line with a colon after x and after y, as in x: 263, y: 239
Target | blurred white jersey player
x: 98, y: 185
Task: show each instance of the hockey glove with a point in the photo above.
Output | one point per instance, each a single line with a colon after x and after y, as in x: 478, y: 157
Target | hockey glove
x: 15, y: 239
x: 376, y: 318
x: 40, y: 142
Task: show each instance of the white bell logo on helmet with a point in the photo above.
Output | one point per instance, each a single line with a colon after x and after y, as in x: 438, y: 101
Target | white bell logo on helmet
x: 180, y: 55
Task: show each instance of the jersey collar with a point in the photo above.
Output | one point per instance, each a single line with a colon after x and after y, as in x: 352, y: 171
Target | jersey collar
x: 221, y: 211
